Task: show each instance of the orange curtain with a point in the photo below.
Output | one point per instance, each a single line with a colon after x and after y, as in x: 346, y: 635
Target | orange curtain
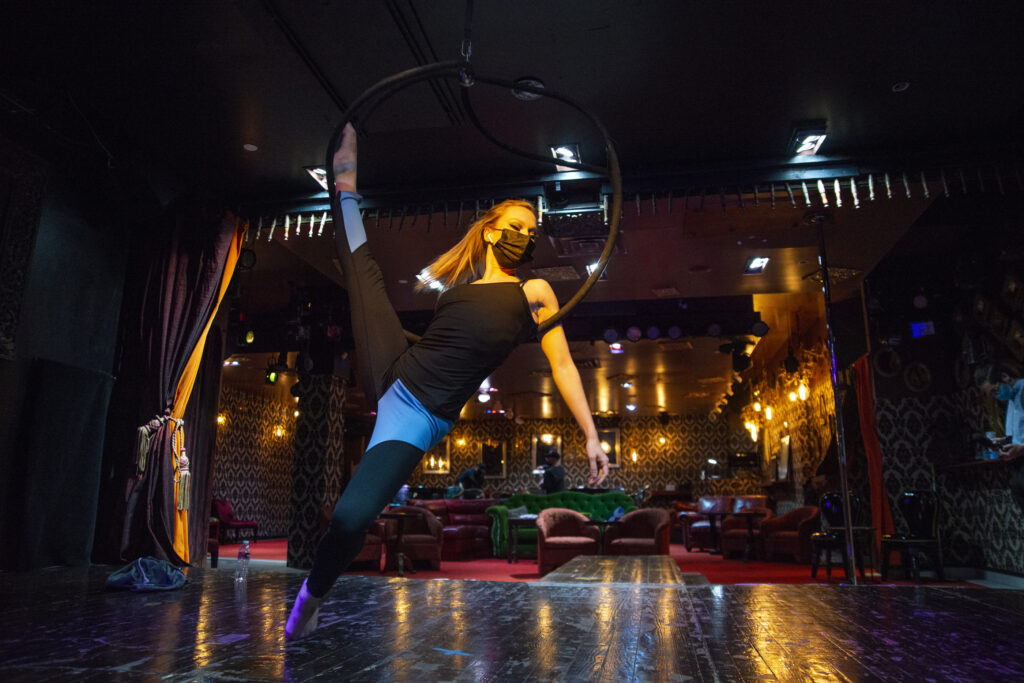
x: 881, y: 514
x: 184, y: 390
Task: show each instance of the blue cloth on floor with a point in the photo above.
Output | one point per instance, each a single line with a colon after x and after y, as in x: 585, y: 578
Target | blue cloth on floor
x: 147, y: 574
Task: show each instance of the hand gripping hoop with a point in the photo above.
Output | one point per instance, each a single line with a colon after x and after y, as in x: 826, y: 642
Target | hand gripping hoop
x: 461, y: 72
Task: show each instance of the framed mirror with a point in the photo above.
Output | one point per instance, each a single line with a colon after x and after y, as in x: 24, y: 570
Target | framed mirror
x: 438, y: 459
x: 544, y: 444
x: 492, y: 454
x: 610, y: 443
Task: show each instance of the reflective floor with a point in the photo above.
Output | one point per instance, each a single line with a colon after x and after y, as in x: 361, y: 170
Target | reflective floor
x: 62, y: 625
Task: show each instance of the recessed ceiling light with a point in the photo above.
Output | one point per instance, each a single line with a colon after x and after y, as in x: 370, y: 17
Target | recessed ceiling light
x: 756, y: 265
x: 318, y: 174
x: 631, y: 407
x: 249, y: 147
x: 808, y: 137
x: 569, y: 152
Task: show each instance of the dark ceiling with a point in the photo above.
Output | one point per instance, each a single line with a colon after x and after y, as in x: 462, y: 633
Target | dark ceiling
x: 700, y: 99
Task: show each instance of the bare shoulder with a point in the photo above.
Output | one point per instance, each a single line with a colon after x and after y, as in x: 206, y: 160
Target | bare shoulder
x: 539, y: 292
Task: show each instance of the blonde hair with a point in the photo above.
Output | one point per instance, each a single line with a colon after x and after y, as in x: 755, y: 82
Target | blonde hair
x: 462, y: 262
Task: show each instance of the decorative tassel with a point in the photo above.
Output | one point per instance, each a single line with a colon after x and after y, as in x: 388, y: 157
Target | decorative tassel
x: 184, y: 482
x: 143, y: 442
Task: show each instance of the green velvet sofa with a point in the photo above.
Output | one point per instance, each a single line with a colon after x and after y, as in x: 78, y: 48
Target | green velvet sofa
x: 594, y: 505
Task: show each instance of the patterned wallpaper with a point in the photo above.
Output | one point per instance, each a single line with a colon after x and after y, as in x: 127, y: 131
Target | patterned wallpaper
x: 981, y: 525
x: 317, y: 472
x: 690, y: 441
x: 253, y: 468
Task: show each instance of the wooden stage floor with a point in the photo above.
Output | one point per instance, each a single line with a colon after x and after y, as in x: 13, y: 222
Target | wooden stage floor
x: 62, y: 625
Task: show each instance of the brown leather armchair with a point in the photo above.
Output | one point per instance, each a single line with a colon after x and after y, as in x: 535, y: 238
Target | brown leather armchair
x: 422, y: 537
x: 562, y: 534
x: 790, y: 534
x: 373, y: 548
x: 640, y: 532
x: 736, y: 531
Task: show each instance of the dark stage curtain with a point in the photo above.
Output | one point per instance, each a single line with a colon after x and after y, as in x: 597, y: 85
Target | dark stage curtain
x: 175, y: 282
x: 55, y: 478
x: 201, y: 442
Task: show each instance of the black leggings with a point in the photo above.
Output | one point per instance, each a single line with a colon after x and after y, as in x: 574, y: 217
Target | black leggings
x: 385, y: 467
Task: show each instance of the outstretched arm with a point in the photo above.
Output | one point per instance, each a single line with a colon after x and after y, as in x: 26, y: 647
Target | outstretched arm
x: 567, y: 379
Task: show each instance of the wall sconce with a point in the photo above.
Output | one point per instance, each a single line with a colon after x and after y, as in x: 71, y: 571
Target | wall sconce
x: 802, y: 391
x: 549, y: 439
x: 757, y: 407
x: 221, y: 419
x: 661, y: 440
x: 768, y: 412
x: 461, y: 442
x: 792, y: 396
x: 752, y: 428
x: 633, y: 456
x: 296, y: 413
x: 278, y: 431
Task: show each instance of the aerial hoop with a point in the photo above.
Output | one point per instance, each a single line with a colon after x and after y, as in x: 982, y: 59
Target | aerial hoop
x: 461, y: 72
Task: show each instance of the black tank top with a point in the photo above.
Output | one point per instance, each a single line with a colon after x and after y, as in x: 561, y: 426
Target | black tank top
x: 475, y: 328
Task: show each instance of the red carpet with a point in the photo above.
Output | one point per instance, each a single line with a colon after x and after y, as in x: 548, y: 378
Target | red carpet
x: 714, y: 568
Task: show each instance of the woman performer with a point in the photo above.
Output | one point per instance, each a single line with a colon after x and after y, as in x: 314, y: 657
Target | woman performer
x: 421, y: 388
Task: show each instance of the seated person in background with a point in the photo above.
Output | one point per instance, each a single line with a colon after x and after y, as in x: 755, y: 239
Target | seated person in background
x: 472, y: 478
x: 554, y: 474
x: 996, y: 380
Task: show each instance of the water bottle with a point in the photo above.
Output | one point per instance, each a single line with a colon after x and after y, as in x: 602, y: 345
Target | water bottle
x: 242, y: 566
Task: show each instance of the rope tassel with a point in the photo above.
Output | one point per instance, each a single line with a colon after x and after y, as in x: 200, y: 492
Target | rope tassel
x: 143, y: 442
x: 184, y: 482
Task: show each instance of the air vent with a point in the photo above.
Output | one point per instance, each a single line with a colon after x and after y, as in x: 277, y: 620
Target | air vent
x: 556, y: 273
x: 590, y: 247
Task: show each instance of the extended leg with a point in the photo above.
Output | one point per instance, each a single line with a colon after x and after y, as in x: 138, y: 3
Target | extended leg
x: 382, y: 470
x: 375, y: 326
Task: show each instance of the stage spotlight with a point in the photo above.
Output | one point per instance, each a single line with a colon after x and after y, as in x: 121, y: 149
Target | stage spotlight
x: 653, y: 332
x: 633, y: 333
x: 611, y: 335
x: 674, y: 332
x: 271, y: 376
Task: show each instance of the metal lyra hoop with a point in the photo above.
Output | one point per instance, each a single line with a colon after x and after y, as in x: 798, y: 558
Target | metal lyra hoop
x: 461, y: 72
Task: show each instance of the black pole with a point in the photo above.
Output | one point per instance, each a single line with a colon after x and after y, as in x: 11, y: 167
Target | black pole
x: 844, y: 484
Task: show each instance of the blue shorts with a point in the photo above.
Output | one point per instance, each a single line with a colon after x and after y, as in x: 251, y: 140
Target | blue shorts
x: 401, y: 417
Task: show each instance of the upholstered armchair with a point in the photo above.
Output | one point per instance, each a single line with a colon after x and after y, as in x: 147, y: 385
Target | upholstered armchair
x: 790, y: 534
x: 373, y: 547
x: 640, y: 532
x: 562, y: 534
x: 422, y: 537
x: 225, y: 514
x: 736, y: 531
